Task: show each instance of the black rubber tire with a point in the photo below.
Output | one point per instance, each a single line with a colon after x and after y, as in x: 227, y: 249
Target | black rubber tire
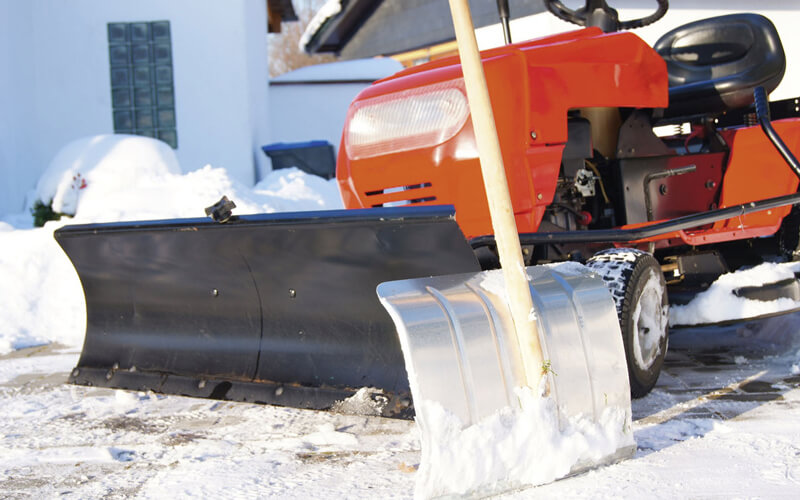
x: 626, y: 273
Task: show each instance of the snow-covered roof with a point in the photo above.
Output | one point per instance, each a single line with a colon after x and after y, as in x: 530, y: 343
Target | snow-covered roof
x: 327, y: 11
x: 365, y: 28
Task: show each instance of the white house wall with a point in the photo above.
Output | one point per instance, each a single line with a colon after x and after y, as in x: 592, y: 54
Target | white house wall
x: 304, y: 112
x: 17, y: 147
x: 55, y: 84
x: 311, y: 103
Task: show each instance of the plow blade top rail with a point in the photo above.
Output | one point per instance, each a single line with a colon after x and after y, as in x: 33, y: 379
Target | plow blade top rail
x: 279, y: 309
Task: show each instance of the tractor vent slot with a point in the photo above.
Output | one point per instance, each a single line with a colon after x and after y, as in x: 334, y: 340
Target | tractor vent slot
x: 399, y: 189
x: 399, y: 201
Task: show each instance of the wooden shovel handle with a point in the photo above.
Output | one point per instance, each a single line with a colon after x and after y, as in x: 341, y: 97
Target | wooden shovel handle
x: 496, y: 185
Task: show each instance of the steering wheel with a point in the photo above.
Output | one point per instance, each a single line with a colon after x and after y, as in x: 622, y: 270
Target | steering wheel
x: 598, y: 13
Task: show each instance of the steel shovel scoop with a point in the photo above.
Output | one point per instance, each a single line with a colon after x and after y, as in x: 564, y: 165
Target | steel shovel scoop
x: 461, y: 348
x: 467, y: 378
x: 518, y: 377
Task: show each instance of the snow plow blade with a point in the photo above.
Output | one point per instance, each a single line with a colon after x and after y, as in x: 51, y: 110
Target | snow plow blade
x: 278, y: 309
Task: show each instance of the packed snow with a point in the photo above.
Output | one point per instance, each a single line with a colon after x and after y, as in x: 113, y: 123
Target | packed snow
x: 512, y: 448
x: 718, y: 303
x: 703, y: 424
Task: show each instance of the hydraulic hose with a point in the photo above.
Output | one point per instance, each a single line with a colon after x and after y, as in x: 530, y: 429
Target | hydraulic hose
x: 762, y: 113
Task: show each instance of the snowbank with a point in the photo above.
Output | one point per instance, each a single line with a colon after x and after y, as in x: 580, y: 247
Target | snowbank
x: 718, y: 303
x: 41, y: 295
x: 113, y: 162
x: 111, y: 178
x: 117, y: 177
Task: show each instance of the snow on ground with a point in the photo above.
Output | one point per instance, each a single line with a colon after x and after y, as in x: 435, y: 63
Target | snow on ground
x: 725, y: 430
x: 723, y: 424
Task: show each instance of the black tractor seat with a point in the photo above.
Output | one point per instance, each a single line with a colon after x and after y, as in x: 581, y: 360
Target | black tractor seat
x: 714, y: 64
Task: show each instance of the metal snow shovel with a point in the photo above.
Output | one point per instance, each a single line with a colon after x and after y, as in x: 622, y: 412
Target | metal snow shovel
x: 468, y: 340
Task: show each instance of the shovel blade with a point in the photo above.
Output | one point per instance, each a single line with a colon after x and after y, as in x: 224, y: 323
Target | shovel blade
x: 461, y: 351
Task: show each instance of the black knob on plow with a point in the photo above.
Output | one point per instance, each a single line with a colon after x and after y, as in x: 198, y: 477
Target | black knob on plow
x: 221, y: 211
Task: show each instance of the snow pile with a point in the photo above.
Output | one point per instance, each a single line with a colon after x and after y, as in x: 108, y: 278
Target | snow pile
x: 718, y: 303
x: 512, y: 448
x: 116, y: 177
x: 116, y: 164
x: 111, y: 178
x: 366, y: 401
x: 293, y: 190
x: 42, y: 298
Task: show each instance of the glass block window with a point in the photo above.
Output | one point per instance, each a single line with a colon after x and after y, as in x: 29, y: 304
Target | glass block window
x: 142, y: 90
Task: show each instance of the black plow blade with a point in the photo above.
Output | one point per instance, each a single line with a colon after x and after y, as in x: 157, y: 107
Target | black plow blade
x: 277, y: 309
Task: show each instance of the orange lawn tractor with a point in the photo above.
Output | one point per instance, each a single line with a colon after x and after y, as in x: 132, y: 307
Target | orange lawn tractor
x: 282, y: 308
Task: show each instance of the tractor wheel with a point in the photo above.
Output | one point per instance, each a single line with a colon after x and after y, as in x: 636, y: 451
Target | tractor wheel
x: 640, y: 293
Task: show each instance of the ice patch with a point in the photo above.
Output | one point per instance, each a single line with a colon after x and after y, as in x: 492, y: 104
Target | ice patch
x: 36, y: 365
x: 658, y: 437
x: 16, y: 457
x: 328, y: 437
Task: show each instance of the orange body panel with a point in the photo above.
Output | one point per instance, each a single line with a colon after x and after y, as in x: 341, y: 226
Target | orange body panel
x: 755, y: 171
x: 532, y: 86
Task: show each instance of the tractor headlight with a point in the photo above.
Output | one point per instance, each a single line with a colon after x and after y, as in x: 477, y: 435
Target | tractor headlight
x: 410, y: 119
